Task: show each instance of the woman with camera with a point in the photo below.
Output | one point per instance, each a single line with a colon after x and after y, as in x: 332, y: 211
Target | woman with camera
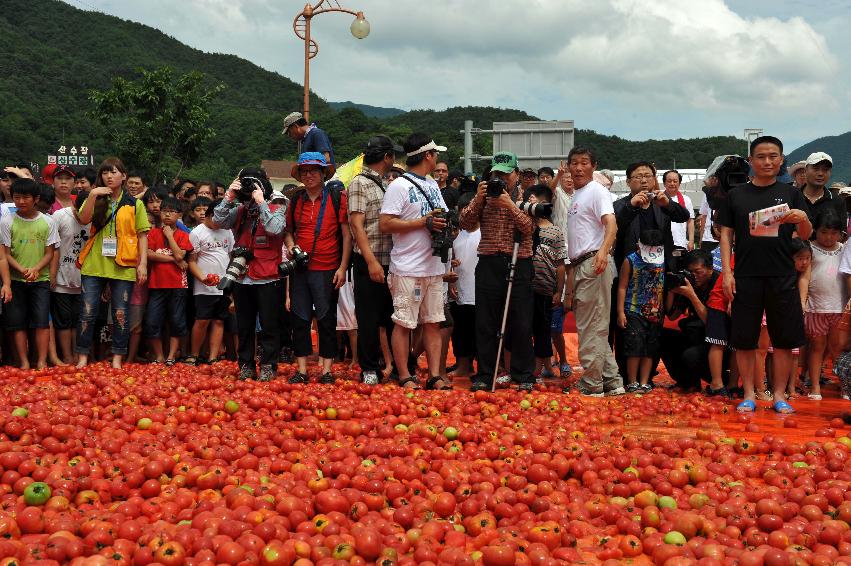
x: 259, y: 236
x: 116, y: 254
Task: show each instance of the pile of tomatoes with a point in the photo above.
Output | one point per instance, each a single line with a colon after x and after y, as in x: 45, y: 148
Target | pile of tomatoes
x: 185, y: 465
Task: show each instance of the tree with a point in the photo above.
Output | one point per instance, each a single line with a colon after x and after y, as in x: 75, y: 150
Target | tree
x: 157, y: 123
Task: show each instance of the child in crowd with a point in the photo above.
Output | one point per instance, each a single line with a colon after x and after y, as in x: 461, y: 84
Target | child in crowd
x: 802, y: 253
x: 462, y: 296
x: 63, y: 183
x: 549, y: 253
x: 717, y: 336
x: 65, y: 280
x: 28, y: 238
x: 197, y: 212
x: 825, y: 295
x: 167, y: 282
x: 640, y: 309
x: 211, y: 248
x: 152, y: 199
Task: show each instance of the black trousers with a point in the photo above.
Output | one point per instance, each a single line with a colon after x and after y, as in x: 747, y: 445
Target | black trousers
x: 491, y: 289
x: 542, y: 318
x: 373, y: 308
x: 464, y: 330
x: 686, y: 358
x: 264, y: 301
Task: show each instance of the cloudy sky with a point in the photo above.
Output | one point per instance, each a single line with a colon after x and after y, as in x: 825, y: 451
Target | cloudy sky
x: 635, y: 68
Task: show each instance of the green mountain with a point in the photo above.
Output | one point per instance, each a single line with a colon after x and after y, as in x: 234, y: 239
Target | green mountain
x: 838, y: 147
x: 47, y: 74
x: 369, y: 111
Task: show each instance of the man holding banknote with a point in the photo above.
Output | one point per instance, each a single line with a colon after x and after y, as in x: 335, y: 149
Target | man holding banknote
x: 763, y: 215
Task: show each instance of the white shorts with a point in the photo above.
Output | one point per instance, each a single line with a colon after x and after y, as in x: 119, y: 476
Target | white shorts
x: 416, y: 300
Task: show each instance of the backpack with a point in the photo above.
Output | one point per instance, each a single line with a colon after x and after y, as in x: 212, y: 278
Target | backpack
x: 335, y: 190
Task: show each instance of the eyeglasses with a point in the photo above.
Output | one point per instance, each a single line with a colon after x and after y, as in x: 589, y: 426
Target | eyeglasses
x: 644, y: 176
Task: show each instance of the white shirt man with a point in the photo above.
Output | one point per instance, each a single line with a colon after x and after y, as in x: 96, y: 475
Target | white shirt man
x: 683, y: 232
x: 591, y: 234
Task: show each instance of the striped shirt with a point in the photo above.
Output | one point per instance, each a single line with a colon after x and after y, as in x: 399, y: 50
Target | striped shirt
x: 497, y: 226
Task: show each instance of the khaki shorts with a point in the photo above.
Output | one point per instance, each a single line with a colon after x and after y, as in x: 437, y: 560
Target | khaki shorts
x: 416, y: 300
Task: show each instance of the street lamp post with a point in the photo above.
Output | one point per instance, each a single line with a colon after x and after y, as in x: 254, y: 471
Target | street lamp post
x: 301, y: 27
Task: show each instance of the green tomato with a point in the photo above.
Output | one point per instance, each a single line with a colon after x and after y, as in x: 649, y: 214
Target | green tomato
x: 37, y: 493
x: 667, y: 501
x: 450, y: 432
x: 675, y: 537
x: 231, y: 407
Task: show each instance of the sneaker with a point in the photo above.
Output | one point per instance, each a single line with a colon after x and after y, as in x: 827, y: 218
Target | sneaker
x: 614, y: 392
x: 479, y: 386
x: 370, y: 378
x: 286, y: 356
x: 297, y: 377
x: 547, y: 372
x: 585, y: 393
x: 267, y: 372
x: 632, y: 387
x: 246, y: 372
x: 326, y: 378
x: 566, y: 370
x: 503, y: 379
x: 526, y: 387
x: 646, y: 388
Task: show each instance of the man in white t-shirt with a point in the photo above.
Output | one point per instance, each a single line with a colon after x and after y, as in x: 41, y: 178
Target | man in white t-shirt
x: 416, y: 274
x: 211, y: 248
x: 65, y: 280
x: 591, y: 233
x: 683, y: 232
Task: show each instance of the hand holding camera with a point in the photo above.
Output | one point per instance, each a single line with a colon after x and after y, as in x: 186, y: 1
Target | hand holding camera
x: 435, y: 220
x: 257, y: 195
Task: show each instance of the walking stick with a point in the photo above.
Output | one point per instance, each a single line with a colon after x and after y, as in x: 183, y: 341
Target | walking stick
x: 517, y: 237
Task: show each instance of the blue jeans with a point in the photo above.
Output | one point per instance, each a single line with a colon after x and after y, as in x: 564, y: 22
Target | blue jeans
x: 92, y: 288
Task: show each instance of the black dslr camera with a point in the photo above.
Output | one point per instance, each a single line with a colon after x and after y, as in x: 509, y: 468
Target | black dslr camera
x: 251, y: 179
x: 675, y: 279
x: 297, y: 263
x: 239, y: 258
x: 441, y: 240
x: 495, y: 188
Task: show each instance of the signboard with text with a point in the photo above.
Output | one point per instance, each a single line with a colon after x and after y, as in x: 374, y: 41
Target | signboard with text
x: 72, y: 155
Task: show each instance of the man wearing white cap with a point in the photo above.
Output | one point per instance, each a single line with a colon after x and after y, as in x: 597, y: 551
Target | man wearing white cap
x: 409, y: 213
x: 816, y: 194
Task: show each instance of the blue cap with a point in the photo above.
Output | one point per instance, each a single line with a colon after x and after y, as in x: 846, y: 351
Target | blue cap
x: 312, y: 158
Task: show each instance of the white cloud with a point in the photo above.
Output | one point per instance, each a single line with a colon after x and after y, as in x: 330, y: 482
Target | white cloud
x: 638, y: 68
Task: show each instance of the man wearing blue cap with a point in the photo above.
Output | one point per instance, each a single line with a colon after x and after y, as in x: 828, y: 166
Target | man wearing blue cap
x: 317, y: 224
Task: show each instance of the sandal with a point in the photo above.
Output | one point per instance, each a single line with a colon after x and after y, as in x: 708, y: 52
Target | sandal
x: 783, y: 408
x: 720, y: 392
x: 190, y: 360
x: 814, y: 397
x: 409, y: 383
x: 170, y: 362
x: 438, y: 383
x: 746, y: 406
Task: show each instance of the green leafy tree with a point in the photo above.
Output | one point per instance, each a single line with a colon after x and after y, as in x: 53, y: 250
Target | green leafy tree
x: 156, y: 122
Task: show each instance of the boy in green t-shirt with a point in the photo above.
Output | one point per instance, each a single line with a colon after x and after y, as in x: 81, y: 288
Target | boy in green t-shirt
x: 28, y: 238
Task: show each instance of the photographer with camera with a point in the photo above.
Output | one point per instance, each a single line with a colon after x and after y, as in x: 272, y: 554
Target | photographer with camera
x: 316, y: 221
x: 252, y: 273
x: 501, y: 222
x: 414, y: 213
x: 371, y: 257
x: 685, y: 352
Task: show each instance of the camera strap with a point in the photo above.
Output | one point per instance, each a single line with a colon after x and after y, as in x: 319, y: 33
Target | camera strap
x: 319, y: 218
x: 374, y: 179
x: 420, y: 189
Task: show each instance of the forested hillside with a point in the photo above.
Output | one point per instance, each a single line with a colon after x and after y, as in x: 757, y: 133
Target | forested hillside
x: 46, y: 79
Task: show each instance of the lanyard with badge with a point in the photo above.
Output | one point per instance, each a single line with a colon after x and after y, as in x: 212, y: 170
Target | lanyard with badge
x: 110, y: 241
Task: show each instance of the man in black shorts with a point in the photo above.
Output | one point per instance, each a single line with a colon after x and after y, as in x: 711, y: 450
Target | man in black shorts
x: 763, y: 214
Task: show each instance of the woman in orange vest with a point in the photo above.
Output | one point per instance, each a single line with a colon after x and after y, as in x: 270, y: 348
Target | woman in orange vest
x: 114, y: 255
